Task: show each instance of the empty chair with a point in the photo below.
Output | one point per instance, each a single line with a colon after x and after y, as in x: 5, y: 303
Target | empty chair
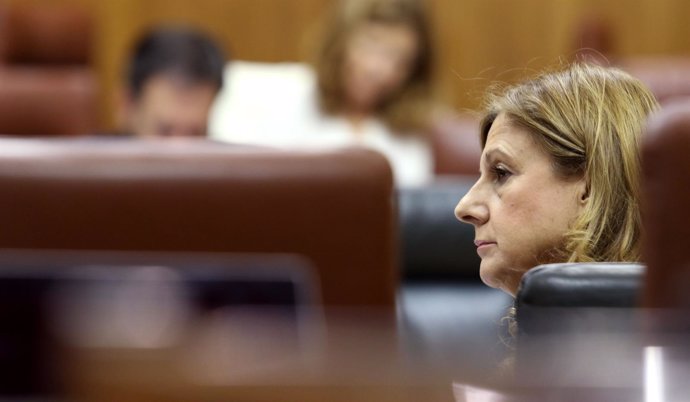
x: 47, y: 86
x: 335, y: 208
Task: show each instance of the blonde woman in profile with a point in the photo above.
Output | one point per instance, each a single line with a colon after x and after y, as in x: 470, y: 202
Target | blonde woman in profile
x: 370, y: 84
x: 559, y: 177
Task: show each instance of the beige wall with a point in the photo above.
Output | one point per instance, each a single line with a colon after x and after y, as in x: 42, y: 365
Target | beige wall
x: 479, y: 40
x: 486, y: 40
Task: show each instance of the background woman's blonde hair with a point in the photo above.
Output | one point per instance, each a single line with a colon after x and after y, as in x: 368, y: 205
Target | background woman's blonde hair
x: 589, y: 119
x: 410, y: 107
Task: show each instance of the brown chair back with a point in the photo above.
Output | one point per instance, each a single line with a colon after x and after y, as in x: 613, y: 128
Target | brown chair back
x: 667, y: 77
x: 47, y: 86
x: 666, y: 212
x: 57, y: 34
x: 336, y: 208
x: 37, y: 101
x: 455, y: 145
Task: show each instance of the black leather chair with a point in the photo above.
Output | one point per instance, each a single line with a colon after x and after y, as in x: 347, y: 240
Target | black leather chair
x: 446, y: 313
x: 565, y: 298
x: 577, y: 329
x: 434, y: 244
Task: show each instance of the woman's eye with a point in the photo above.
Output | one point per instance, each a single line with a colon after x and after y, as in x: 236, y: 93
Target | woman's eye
x: 500, y: 173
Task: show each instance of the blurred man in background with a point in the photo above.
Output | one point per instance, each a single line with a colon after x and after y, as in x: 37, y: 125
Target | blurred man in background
x: 171, y: 81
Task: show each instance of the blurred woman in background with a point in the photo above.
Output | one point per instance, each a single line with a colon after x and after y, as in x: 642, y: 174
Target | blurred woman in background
x: 370, y: 85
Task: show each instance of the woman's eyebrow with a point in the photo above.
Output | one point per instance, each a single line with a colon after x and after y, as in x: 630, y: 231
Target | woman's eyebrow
x: 495, y: 153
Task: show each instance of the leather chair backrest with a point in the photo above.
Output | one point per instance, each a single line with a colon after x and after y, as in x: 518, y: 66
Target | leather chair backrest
x: 667, y: 77
x: 666, y: 202
x: 434, y: 244
x: 601, y: 284
x: 576, y: 325
x: 47, y: 85
x: 46, y: 101
x: 558, y: 297
x: 455, y: 145
x: 55, y: 34
x: 334, y: 207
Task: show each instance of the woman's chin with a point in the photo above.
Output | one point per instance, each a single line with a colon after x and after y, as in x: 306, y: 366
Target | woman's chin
x: 488, y: 274
x: 495, y: 277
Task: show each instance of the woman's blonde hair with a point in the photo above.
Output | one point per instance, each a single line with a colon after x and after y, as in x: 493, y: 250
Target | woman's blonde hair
x: 407, y: 109
x: 589, y: 119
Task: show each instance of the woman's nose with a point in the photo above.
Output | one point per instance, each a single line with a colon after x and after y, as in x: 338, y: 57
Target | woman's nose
x: 379, y: 69
x: 471, y: 209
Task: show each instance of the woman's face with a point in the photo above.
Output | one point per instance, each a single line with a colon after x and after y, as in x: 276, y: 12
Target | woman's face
x: 519, y: 207
x: 378, y: 61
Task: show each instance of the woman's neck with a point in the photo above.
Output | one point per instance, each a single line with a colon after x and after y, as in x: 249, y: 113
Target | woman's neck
x: 357, y: 121
x: 357, y: 117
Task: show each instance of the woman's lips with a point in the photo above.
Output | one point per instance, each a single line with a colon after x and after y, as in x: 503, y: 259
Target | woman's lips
x: 483, y: 246
x: 480, y: 243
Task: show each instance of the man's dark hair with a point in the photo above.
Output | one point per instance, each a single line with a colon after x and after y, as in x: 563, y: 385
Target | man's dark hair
x: 184, y: 52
